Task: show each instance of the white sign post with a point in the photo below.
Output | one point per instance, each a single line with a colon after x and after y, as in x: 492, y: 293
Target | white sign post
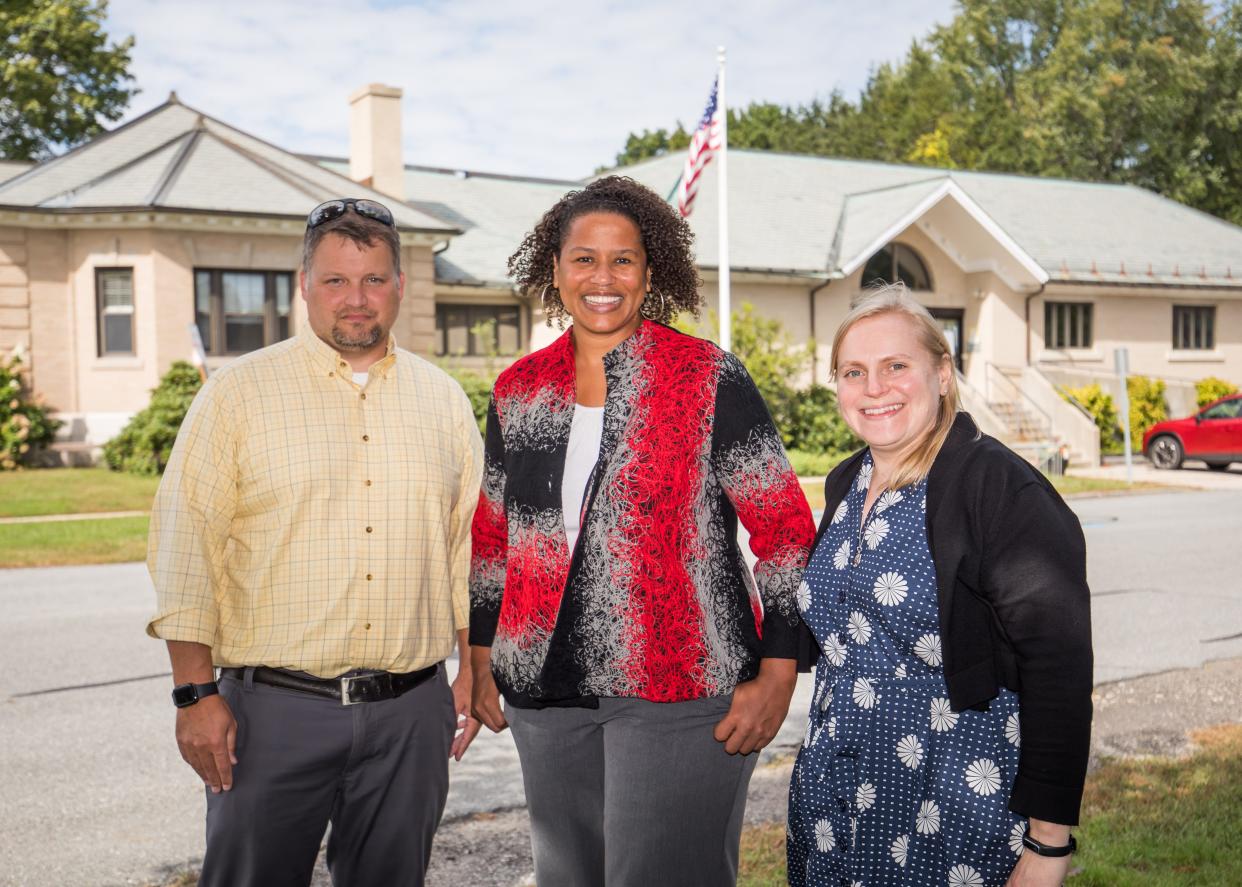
x: 1121, y: 357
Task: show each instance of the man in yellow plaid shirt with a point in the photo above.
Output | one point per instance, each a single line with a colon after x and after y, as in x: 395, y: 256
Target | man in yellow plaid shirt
x: 311, y: 539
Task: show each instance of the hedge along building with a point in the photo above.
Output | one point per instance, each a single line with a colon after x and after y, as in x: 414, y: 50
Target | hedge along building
x: 111, y: 252
x: 1036, y: 281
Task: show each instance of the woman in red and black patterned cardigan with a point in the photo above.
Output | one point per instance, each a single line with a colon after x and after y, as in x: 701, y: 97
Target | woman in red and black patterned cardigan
x: 640, y: 664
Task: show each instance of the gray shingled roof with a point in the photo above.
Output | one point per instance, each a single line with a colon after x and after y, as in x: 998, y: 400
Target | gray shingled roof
x: 175, y: 158
x: 10, y: 168
x: 787, y: 211
x: 493, y: 211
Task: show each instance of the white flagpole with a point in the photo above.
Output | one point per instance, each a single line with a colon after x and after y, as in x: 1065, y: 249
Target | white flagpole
x: 722, y: 187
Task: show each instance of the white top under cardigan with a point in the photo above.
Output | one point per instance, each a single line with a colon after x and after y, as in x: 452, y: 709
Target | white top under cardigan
x: 585, y: 435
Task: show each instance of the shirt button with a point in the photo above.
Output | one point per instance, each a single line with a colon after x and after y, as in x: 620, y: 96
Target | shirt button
x: 363, y: 395
x: 331, y: 374
x: 367, y: 626
x: 368, y: 483
x: 366, y: 437
x: 368, y: 577
x: 368, y: 529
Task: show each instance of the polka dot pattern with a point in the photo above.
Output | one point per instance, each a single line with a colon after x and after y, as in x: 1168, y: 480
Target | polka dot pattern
x: 893, y: 787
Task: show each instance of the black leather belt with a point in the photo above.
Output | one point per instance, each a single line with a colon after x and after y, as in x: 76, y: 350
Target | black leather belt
x: 347, y: 690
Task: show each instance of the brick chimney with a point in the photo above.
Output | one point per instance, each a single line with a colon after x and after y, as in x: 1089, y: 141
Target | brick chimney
x: 375, y: 139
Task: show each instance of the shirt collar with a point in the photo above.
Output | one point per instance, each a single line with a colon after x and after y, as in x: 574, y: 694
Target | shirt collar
x: 326, y: 359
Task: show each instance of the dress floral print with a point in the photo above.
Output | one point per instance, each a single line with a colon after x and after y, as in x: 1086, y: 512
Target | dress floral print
x: 891, y: 786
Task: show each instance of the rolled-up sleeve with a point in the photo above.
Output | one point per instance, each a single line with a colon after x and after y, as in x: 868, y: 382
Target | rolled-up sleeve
x: 190, y: 521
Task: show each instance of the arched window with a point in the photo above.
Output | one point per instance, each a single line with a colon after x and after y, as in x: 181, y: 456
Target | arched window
x: 897, y: 262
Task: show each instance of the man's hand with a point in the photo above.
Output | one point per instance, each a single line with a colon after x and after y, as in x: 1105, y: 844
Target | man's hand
x: 759, y: 707
x: 207, y: 737
x: 486, y: 695
x: 467, y: 726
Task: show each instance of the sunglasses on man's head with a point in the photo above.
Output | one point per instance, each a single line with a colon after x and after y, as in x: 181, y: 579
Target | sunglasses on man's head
x: 334, y: 209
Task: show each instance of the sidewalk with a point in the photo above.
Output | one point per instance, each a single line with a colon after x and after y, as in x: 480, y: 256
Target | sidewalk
x: 56, y: 518
x: 1194, y: 474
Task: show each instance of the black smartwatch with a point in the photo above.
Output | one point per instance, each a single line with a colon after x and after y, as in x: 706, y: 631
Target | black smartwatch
x: 1045, y: 850
x: 185, y: 695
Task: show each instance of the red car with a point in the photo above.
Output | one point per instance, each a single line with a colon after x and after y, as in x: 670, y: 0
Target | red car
x: 1214, y: 434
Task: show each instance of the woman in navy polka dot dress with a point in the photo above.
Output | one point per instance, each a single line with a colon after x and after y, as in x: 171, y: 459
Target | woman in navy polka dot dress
x: 895, y: 783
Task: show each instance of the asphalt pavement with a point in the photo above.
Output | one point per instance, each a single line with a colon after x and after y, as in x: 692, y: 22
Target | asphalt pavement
x: 96, y: 794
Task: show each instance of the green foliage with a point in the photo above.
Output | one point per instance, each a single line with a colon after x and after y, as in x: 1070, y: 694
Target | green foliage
x: 807, y: 418
x: 1099, y: 405
x: 815, y: 463
x: 24, y: 424
x: 145, y: 443
x: 478, y: 387
x: 1212, y: 389
x: 59, y: 76
x: 1147, y: 407
x: 1102, y: 90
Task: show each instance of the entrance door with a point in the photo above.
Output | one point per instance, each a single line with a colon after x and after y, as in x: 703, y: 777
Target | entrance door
x: 952, y: 321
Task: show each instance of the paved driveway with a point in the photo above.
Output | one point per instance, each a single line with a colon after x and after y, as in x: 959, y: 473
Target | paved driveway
x: 96, y: 794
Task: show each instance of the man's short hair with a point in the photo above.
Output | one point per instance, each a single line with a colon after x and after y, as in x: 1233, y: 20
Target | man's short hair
x: 359, y: 229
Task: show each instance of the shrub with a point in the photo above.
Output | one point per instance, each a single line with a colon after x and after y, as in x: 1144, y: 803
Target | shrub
x: 144, y: 444
x: 478, y: 388
x: 1147, y: 407
x: 815, y: 423
x: 807, y: 419
x: 25, y: 427
x: 814, y: 463
x: 1099, y: 405
x: 1212, y: 389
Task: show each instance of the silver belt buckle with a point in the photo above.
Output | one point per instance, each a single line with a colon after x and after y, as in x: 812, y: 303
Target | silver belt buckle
x: 383, y: 687
x: 346, y: 683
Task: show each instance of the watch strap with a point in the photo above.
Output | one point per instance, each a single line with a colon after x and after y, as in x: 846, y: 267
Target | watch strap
x: 185, y: 695
x: 1046, y: 850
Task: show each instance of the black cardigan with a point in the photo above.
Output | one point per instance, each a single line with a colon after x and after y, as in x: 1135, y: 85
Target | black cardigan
x: 1015, y: 610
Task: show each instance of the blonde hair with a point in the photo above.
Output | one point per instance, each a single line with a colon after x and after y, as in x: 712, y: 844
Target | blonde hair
x: 895, y: 299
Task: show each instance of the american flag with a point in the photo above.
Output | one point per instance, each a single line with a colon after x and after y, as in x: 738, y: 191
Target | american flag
x: 705, y: 142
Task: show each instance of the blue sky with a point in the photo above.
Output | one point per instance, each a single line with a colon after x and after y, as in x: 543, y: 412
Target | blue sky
x: 533, y: 87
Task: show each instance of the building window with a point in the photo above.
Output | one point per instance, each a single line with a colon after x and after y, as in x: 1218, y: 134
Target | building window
x: 114, y: 295
x: 1194, y: 327
x: 1068, y: 324
x: 896, y: 262
x: 239, y: 311
x: 477, y: 330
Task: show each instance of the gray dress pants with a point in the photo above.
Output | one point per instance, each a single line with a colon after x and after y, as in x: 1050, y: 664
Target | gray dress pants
x: 632, y: 794
x: 377, y: 771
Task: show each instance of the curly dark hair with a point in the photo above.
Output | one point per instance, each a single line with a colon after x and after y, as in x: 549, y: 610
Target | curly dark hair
x: 666, y: 236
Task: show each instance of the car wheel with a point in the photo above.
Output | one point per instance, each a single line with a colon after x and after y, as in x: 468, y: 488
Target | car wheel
x: 1218, y: 466
x: 1165, y: 452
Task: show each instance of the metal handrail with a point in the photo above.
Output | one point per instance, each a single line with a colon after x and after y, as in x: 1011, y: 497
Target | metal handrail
x: 994, y: 371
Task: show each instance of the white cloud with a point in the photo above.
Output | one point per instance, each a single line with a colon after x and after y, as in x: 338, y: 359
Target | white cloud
x: 540, y: 87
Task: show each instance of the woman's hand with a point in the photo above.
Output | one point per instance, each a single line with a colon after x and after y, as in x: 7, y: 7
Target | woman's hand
x: 759, y: 707
x: 1034, y: 870
x: 485, y: 696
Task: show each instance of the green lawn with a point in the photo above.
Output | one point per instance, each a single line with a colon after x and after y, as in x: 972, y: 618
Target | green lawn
x: 73, y: 491
x: 1154, y: 822
x: 61, y: 543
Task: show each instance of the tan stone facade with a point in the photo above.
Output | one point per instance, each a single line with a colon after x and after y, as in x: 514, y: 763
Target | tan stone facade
x: 49, y: 307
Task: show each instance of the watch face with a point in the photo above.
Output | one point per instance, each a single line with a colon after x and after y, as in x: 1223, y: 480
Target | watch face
x: 184, y: 694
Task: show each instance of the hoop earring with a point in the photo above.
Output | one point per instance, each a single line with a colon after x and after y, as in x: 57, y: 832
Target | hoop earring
x: 651, y: 313
x: 543, y: 296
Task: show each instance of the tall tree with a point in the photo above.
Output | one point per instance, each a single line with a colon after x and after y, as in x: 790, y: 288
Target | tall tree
x: 1144, y: 92
x: 60, y: 78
